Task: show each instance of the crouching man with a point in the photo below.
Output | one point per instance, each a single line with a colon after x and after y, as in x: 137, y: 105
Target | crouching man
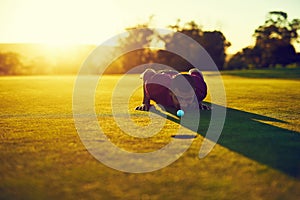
x: 158, y: 86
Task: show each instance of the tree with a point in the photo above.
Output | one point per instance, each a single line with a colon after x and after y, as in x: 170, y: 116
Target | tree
x: 276, y: 36
x: 248, y: 58
x: 175, y: 41
x: 10, y: 64
x: 214, y: 42
x: 139, y: 37
x: 273, y: 43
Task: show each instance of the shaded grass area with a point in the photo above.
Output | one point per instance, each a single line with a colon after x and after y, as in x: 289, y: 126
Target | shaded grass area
x: 42, y: 156
x: 282, y: 73
x: 248, y: 134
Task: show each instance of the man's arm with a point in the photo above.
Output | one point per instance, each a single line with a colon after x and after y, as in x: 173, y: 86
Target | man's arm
x: 146, y: 99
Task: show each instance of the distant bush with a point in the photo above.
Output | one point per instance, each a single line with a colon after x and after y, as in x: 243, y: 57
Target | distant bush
x: 10, y: 63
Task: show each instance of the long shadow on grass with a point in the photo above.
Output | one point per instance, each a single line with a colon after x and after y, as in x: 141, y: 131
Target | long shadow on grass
x: 246, y: 134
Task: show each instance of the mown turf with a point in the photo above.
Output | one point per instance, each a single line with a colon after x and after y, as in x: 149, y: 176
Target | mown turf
x: 285, y: 73
x: 42, y: 157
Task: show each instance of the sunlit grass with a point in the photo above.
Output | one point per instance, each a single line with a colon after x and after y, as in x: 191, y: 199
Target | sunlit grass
x: 42, y: 157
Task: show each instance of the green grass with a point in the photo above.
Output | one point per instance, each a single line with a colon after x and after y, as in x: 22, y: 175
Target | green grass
x: 282, y: 73
x: 42, y: 157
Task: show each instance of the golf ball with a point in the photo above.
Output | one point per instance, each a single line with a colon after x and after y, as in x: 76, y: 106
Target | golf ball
x: 180, y: 113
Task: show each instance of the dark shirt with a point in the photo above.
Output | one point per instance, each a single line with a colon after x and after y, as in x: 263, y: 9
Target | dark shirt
x: 160, y: 92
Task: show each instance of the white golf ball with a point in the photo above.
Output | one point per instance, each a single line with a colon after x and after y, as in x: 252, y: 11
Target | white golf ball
x: 180, y: 113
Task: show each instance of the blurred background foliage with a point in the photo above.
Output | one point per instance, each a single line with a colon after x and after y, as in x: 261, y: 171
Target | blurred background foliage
x: 273, y: 48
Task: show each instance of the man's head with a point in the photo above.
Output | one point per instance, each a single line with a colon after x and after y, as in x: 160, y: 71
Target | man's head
x: 183, y: 93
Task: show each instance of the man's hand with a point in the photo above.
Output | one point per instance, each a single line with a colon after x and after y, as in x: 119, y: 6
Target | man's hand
x: 143, y: 107
x: 204, y: 107
x: 201, y: 106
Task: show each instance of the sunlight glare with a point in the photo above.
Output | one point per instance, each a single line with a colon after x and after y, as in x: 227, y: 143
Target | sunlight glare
x: 73, y: 22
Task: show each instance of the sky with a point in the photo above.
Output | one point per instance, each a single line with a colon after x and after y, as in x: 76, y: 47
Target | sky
x: 95, y: 21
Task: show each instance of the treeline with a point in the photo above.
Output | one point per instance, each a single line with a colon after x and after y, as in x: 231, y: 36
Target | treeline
x: 40, y: 59
x: 273, y: 46
x: 141, y: 38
